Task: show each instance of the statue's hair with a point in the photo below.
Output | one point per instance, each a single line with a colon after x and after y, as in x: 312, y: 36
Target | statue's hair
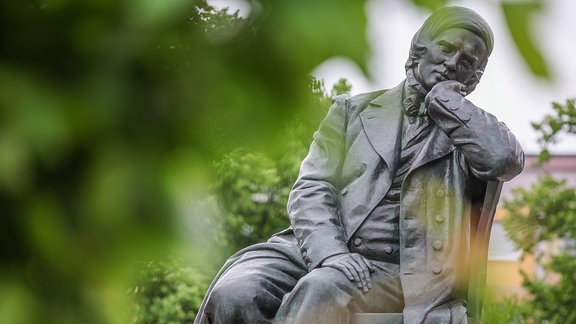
x: 447, y: 18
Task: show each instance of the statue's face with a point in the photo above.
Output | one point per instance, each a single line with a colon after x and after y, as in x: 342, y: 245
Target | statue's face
x: 455, y: 54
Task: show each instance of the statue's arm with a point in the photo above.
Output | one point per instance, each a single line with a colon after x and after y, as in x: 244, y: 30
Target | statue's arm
x: 313, y: 201
x: 490, y: 150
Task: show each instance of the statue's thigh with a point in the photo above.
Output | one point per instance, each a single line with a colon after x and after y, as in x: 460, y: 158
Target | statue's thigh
x: 328, y: 284
x: 386, y: 293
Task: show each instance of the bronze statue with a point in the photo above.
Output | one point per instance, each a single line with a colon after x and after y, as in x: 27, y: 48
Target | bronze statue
x: 381, y: 209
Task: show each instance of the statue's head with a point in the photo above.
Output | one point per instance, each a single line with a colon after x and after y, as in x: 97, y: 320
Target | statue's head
x: 453, y: 43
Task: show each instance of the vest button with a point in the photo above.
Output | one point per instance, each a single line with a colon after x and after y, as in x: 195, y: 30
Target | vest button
x: 388, y: 249
x: 357, y: 241
x: 437, y: 244
x: 441, y: 193
x: 437, y: 269
x: 439, y: 218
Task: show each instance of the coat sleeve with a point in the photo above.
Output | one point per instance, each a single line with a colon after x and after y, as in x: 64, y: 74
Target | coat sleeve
x: 488, y: 147
x: 313, y: 202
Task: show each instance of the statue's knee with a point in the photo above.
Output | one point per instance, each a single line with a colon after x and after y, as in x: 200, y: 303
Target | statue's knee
x: 238, y: 293
x: 242, y: 300
x: 322, y: 281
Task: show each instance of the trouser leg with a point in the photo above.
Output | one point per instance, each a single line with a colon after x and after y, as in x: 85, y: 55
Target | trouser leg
x: 326, y: 295
x: 252, y: 289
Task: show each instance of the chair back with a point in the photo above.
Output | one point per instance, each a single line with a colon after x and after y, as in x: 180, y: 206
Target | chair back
x: 480, y: 240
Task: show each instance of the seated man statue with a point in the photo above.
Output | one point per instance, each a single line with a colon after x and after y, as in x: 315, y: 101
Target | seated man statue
x: 381, y: 208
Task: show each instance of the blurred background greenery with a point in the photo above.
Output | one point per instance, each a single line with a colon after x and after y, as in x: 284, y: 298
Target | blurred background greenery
x: 123, y: 122
x: 142, y: 142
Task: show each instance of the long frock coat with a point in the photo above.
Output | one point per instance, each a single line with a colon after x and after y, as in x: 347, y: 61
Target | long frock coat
x: 352, y: 163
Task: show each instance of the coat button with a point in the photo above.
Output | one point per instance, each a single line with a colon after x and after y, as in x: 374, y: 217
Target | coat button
x: 360, y: 170
x: 357, y: 241
x: 437, y: 244
x: 439, y: 218
x: 388, y: 249
x: 304, y: 253
x: 308, y: 264
x: 437, y: 269
x: 344, y: 191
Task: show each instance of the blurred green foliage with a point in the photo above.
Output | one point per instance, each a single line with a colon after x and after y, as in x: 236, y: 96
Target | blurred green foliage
x: 252, y: 186
x: 111, y: 115
x: 252, y: 191
x: 507, y: 311
x: 430, y: 4
x: 541, y: 221
x: 519, y: 16
x: 167, y: 293
x: 561, y: 121
x: 543, y: 212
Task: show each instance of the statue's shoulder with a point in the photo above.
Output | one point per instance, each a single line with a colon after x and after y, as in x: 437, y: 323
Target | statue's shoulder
x: 365, y: 98
x: 362, y: 98
x: 359, y: 99
x: 358, y: 103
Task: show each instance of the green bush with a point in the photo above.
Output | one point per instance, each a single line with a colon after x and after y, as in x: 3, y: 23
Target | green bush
x: 167, y: 292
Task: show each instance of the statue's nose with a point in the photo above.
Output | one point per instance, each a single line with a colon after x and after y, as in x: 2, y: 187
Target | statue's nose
x: 450, y: 62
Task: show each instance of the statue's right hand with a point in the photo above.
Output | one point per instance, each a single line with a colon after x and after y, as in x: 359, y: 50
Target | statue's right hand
x: 356, y: 267
x: 445, y: 87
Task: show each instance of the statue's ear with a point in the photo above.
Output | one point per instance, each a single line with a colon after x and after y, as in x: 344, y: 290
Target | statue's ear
x: 473, y: 81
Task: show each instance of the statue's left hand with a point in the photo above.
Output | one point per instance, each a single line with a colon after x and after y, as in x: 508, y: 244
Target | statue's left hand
x: 354, y: 266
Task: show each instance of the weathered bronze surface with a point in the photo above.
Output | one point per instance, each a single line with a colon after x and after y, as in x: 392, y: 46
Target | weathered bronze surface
x: 383, y: 209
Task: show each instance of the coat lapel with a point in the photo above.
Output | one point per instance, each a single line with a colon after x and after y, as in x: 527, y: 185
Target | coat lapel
x: 436, y: 145
x: 382, y: 122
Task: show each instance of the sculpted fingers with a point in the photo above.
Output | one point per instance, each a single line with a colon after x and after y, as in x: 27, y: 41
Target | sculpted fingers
x: 364, y: 268
x: 355, y: 267
x: 346, y: 270
x: 369, y: 270
x: 450, y: 85
x: 350, y: 266
x: 337, y: 262
x: 445, y: 87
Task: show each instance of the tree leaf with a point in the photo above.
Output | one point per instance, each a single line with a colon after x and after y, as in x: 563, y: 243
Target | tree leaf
x: 518, y: 16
